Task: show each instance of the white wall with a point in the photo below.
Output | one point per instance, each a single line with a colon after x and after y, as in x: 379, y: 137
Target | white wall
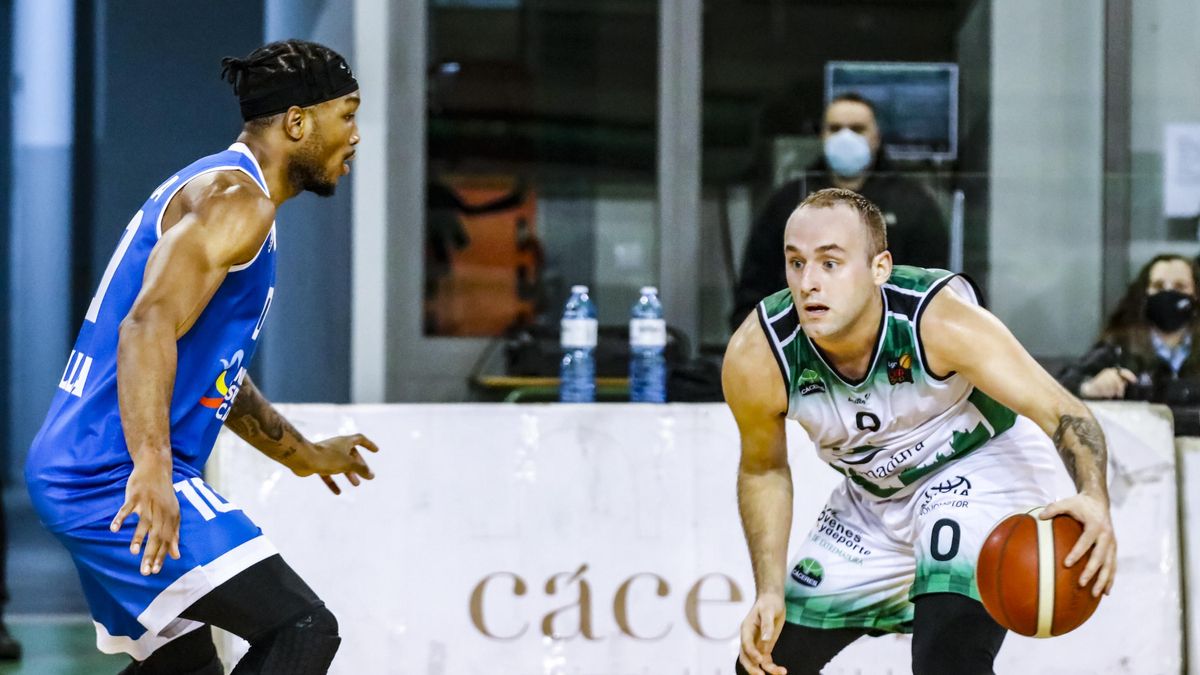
x: 1046, y: 154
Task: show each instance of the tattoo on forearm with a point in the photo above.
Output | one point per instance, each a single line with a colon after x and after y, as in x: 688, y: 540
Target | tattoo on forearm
x: 253, y: 418
x: 1081, y: 444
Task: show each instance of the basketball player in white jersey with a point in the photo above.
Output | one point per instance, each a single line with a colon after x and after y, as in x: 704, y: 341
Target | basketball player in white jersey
x: 942, y: 425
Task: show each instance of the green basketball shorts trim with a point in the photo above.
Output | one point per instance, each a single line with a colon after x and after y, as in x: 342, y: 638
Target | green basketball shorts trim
x: 866, y: 558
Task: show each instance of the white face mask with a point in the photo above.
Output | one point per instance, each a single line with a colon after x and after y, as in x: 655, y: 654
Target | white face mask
x: 847, y: 153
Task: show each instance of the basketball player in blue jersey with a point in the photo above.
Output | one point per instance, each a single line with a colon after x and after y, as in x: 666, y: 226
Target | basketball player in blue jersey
x: 160, y: 365
x: 941, y: 424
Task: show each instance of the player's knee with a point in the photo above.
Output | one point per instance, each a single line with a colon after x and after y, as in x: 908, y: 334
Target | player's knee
x: 953, y: 634
x: 304, y: 645
x: 322, y: 622
x: 318, y: 621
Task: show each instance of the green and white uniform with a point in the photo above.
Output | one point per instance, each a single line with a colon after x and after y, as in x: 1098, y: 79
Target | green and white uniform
x: 931, y: 464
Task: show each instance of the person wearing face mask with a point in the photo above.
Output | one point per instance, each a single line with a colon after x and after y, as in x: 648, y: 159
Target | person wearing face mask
x: 853, y: 159
x: 1145, y: 352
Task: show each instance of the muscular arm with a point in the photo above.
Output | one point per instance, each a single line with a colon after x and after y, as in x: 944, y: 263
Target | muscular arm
x: 959, y: 336
x: 963, y: 337
x: 224, y: 223
x: 223, y: 220
x: 256, y: 421
x: 757, y: 396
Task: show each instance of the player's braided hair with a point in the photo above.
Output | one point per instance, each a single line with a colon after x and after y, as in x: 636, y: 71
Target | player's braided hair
x: 282, y: 66
x: 865, y: 208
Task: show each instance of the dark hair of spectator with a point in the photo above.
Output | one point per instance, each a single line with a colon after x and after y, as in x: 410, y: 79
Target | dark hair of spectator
x: 855, y: 97
x: 1128, y: 322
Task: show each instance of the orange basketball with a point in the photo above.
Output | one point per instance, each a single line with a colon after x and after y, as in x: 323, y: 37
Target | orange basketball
x: 1022, y: 581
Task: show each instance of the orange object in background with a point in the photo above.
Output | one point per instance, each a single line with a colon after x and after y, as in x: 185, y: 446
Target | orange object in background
x: 482, y: 256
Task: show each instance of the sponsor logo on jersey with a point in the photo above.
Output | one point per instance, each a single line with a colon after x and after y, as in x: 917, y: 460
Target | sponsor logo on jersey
x: 808, y: 572
x: 959, y: 486
x: 857, y: 455
x: 893, y: 463
x: 859, y: 400
x: 900, y: 370
x: 810, y: 383
x: 226, y: 387
x: 835, y: 535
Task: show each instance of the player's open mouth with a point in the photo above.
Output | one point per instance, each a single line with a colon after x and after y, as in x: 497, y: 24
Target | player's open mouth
x: 346, y: 164
x: 815, y: 309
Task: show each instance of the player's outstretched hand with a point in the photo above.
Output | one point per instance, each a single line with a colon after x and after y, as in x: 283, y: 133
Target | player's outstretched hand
x: 336, y: 455
x: 760, y: 631
x: 1097, y: 535
x: 150, y: 494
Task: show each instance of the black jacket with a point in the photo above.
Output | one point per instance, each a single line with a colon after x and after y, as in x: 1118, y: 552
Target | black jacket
x: 917, y: 232
x: 1156, y: 382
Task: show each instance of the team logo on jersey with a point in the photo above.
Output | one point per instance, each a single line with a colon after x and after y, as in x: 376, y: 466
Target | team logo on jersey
x: 227, y: 385
x: 900, y: 370
x: 808, y: 572
x: 810, y: 382
x: 958, y: 486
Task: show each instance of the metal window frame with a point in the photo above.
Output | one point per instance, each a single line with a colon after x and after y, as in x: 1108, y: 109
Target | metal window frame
x: 1118, y: 154
x: 680, y: 68
x: 392, y: 359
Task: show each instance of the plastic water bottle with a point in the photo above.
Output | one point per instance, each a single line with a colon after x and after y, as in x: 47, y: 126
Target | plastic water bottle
x: 647, y: 342
x: 578, y: 369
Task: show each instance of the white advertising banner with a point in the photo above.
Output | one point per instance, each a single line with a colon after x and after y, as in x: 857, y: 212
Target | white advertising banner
x: 605, y: 540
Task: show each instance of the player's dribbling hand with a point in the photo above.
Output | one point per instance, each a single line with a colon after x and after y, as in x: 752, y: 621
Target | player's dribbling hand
x: 150, y: 494
x: 760, y: 631
x: 337, y: 455
x: 1097, y: 535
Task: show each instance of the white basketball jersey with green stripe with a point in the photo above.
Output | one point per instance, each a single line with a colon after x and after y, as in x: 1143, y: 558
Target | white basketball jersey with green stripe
x: 899, y: 423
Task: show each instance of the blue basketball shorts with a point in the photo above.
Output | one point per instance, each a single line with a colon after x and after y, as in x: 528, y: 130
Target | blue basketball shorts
x: 137, y: 614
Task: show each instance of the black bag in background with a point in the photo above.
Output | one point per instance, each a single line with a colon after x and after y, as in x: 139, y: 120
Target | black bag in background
x: 696, y: 381
x: 534, y: 351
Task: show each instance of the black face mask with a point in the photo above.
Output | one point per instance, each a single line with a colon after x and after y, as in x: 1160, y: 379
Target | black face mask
x: 1170, y: 310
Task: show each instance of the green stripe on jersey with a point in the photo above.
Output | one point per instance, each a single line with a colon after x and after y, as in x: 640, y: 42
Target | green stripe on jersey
x: 891, y: 405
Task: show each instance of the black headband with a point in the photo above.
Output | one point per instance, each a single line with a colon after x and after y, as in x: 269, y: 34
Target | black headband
x: 319, y: 82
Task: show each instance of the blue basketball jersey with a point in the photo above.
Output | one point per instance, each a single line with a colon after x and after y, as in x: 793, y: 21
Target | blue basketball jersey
x: 79, y: 462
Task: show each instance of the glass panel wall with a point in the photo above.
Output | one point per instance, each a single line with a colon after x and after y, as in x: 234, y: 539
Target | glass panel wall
x: 978, y: 129
x: 541, y: 145
x: 770, y: 69
x: 1164, y: 130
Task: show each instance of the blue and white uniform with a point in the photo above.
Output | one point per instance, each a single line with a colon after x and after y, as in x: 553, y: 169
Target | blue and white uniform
x: 79, y: 463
